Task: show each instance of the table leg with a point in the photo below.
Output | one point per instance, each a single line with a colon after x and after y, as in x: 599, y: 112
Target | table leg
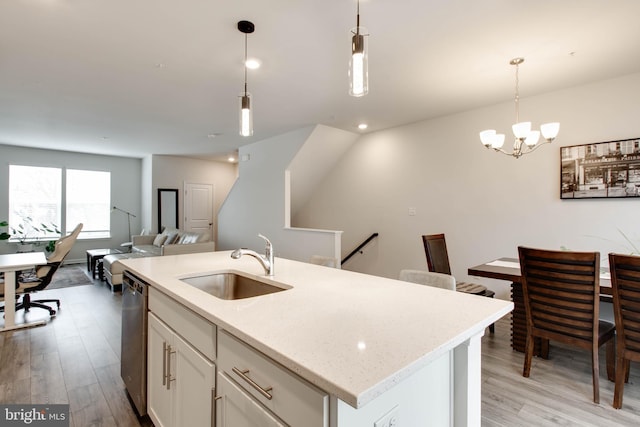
x: 10, y: 305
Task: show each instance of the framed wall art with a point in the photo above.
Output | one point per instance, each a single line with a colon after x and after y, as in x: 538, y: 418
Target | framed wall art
x: 601, y: 170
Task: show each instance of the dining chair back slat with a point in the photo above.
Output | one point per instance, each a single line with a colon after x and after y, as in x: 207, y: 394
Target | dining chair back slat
x: 625, y: 283
x: 561, y: 298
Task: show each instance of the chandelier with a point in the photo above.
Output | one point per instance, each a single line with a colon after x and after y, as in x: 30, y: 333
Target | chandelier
x: 526, y: 140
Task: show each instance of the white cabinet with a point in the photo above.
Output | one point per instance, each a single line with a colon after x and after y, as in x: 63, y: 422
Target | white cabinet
x: 235, y: 408
x: 181, y: 382
x: 180, y: 365
x: 267, y: 388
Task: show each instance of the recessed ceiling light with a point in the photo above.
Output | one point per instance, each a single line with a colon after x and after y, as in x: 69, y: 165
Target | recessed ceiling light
x: 252, y: 64
x: 231, y: 159
x: 363, y: 126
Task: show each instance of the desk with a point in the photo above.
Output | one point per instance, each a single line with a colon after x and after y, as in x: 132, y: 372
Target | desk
x: 9, y: 264
x: 509, y: 269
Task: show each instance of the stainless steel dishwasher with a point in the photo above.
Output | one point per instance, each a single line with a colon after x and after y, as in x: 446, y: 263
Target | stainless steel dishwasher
x: 133, y: 352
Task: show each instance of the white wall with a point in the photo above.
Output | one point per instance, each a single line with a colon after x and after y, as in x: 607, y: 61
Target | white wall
x: 173, y: 172
x: 125, y: 189
x: 256, y: 204
x: 486, y: 203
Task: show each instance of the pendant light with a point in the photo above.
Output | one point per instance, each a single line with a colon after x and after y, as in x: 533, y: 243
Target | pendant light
x: 246, y: 114
x: 359, y: 62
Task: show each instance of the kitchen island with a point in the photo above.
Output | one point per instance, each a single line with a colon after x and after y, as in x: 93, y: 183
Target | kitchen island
x: 382, y: 351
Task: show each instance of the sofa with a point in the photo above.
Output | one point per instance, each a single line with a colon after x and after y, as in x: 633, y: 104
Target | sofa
x: 170, y: 242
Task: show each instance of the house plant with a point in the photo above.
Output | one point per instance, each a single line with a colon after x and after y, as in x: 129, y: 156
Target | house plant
x: 3, y: 234
x: 28, y: 232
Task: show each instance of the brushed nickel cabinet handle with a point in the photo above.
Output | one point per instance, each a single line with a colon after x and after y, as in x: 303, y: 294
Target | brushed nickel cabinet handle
x: 252, y: 383
x: 164, y: 363
x: 169, y: 379
x: 214, y: 399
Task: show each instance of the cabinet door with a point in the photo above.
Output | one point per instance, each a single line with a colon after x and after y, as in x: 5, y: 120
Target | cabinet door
x: 194, y: 386
x: 159, y: 405
x: 238, y: 409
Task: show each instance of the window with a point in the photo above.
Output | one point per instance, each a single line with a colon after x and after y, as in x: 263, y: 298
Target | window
x: 88, y: 200
x: 35, y: 193
x: 60, y: 197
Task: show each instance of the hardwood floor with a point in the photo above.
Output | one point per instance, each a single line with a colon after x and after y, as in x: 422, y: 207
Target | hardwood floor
x: 558, y: 391
x: 75, y: 359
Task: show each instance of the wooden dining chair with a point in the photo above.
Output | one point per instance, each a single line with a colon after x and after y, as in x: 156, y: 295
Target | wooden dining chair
x: 561, y: 298
x: 625, y: 283
x: 435, y: 249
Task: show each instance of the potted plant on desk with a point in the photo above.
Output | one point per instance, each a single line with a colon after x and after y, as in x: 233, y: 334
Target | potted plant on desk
x: 27, y: 232
x: 3, y: 234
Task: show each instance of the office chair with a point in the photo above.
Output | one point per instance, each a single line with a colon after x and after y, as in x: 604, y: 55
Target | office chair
x: 40, y: 278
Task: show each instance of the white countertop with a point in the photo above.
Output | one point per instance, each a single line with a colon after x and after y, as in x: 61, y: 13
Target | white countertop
x: 353, y: 335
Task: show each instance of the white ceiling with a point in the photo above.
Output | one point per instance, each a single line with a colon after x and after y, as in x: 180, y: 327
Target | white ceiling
x: 137, y: 77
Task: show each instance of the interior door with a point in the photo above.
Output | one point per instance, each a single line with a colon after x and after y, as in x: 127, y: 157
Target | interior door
x: 198, y: 207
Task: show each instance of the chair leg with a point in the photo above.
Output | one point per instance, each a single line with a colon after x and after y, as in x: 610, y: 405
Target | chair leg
x: 528, y: 355
x: 627, y: 368
x: 51, y: 311
x: 611, y: 359
x: 619, y: 387
x: 595, y: 372
x: 57, y: 301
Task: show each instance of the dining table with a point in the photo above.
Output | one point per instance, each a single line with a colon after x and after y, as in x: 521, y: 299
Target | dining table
x: 9, y: 264
x: 509, y: 269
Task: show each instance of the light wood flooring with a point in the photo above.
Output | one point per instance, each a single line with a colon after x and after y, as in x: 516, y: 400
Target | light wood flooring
x: 75, y: 359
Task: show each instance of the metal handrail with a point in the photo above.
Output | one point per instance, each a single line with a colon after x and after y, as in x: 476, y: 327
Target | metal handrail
x: 359, y: 248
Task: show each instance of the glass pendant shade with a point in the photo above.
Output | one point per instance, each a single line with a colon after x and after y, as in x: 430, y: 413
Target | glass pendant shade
x: 246, y: 115
x: 487, y: 137
x: 490, y: 139
x: 521, y: 130
x: 550, y: 130
x: 532, y: 138
x: 358, y: 65
x: 498, y: 141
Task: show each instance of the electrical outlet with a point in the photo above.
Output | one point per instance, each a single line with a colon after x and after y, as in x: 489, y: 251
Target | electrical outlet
x: 390, y: 419
x: 412, y: 212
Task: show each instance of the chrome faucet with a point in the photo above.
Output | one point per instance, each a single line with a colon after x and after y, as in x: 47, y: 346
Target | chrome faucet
x: 266, y: 260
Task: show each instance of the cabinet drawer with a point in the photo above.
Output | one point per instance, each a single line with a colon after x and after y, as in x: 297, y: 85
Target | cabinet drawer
x: 196, y: 330
x: 294, y: 400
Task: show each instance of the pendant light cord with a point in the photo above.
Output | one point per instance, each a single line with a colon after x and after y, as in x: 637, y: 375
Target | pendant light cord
x: 245, y: 64
x: 517, y: 94
x: 358, y: 19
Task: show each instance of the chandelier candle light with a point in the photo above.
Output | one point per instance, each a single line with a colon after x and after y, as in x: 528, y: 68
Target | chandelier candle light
x: 246, y: 115
x: 526, y: 140
x: 359, y: 62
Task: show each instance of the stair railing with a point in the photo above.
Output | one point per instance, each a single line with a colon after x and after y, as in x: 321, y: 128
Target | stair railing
x: 359, y: 248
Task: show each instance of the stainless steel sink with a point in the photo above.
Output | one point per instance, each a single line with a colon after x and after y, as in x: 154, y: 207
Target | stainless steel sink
x: 231, y: 286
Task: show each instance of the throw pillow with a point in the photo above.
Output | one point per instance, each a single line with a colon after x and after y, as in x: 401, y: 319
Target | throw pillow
x: 159, y: 240
x: 171, y: 238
